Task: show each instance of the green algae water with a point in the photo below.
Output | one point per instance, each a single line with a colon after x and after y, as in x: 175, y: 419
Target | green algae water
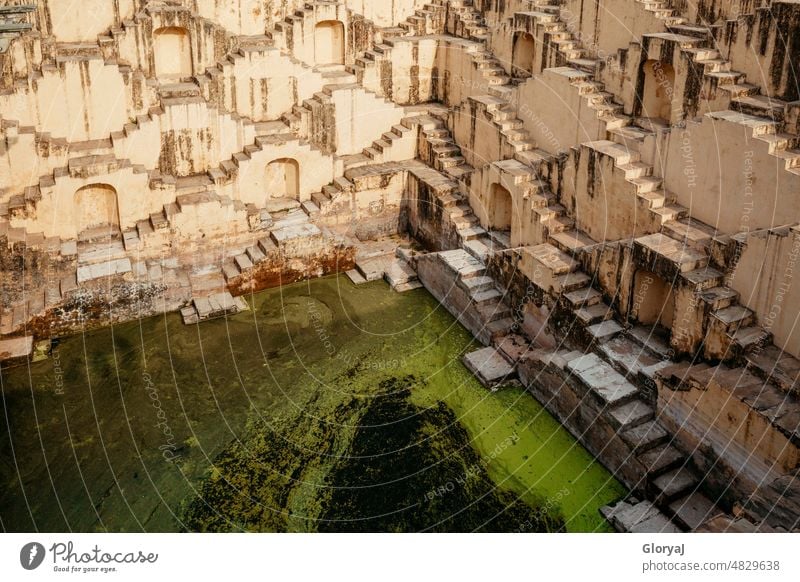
x: 326, y: 407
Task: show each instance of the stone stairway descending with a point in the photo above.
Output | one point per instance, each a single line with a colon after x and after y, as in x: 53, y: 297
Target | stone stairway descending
x: 768, y: 405
x: 666, y: 484
x: 658, y: 205
x: 516, y: 142
x: 400, y: 273
x: 460, y: 282
x: 580, y: 69
x: 466, y: 22
x: 471, y: 236
x: 560, y: 274
x: 90, y: 161
x: 784, y: 146
x: 439, y: 149
x: 210, y: 296
x: 727, y: 95
x: 663, y: 11
x: 88, y: 156
x: 418, y: 24
x: 722, y: 87
x: 290, y: 227
x: 388, y: 261
x: 396, y: 145
x: 194, y: 194
x: 764, y: 115
x: 717, y: 71
x: 339, y: 186
x: 731, y: 329
x: 310, y: 115
x: 620, y: 127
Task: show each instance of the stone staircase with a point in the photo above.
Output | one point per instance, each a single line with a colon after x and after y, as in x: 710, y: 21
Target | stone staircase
x: 560, y: 275
x: 663, y: 11
x: 422, y: 22
x: 439, y: 149
x: 396, y: 145
x: 666, y: 484
x: 731, y: 330
x: 193, y: 194
x: 291, y: 227
x: 465, y: 21
x: 764, y: 114
x: 717, y: 70
x: 461, y: 283
x: 400, y: 273
x: 516, y: 141
x: 784, y: 146
x: 22, y: 206
x: 311, y: 114
x: 656, y: 203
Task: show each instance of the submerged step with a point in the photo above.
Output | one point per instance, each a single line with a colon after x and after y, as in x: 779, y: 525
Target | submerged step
x: 489, y: 366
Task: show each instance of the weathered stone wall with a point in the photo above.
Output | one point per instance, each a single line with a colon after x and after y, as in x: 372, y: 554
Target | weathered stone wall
x: 761, y: 43
x: 246, y: 17
x: 728, y: 178
x: 766, y: 277
x: 532, y: 308
x: 373, y: 207
x: 733, y: 444
x: 582, y: 414
x: 443, y: 283
x: 293, y: 264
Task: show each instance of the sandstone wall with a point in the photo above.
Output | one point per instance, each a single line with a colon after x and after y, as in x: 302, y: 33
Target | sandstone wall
x: 767, y: 276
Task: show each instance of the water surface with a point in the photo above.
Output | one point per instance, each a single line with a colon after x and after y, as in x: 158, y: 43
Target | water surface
x: 327, y: 407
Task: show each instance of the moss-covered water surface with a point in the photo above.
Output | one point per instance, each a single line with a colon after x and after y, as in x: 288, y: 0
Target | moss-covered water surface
x: 327, y: 407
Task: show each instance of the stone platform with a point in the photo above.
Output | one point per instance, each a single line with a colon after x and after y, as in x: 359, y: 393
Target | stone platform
x: 490, y: 367
x: 15, y: 351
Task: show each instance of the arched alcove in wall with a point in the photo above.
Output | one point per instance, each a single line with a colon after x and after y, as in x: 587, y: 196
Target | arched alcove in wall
x: 96, y: 207
x: 282, y: 179
x: 522, y: 57
x: 329, y: 43
x: 653, y: 302
x: 173, y: 53
x: 500, y: 208
x: 658, y: 89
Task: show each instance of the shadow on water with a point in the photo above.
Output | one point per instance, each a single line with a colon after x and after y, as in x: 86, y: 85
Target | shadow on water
x: 326, y: 407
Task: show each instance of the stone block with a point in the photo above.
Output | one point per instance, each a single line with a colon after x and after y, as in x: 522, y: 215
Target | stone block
x: 489, y: 366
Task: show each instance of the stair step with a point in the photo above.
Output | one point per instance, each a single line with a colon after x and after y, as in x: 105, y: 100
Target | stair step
x: 602, y: 380
x: 661, y: 459
x: 356, y: 277
x: 604, y: 331
x: 594, y: 313
x: 734, y: 317
x: 255, y: 254
x: 243, y: 262
x: 673, y: 485
x: 642, y: 517
x: 572, y: 281
x: 644, y: 437
x: 585, y: 297
x: 478, y: 284
x: 693, y: 510
x: 631, y: 414
x: 483, y: 297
